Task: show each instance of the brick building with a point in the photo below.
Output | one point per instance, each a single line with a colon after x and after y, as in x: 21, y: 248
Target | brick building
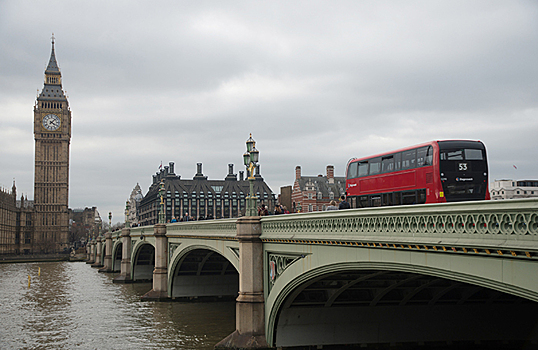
x: 201, y: 198
x: 16, y: 223
x: 314, y: 193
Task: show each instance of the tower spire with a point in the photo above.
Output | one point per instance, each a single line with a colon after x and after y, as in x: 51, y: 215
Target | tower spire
x: 52, y: 68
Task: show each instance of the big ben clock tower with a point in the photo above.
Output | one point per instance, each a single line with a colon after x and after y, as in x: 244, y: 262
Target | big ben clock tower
x: 52, y: 133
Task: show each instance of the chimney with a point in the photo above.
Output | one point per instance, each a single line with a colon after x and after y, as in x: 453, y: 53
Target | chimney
x: 198, y: 168
x: 171, y: 165
x: 297, y: 172
x: 154, y: 178
x: 230, y: 169
x: 241, y: 175
x: 330, y: 173
x: 166, y: 170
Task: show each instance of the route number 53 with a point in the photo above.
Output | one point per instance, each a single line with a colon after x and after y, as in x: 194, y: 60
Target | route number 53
x: 462, y: 167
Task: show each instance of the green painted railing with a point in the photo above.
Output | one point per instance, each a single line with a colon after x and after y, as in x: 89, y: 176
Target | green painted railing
x: 207, y: 228
x: 511, y: 224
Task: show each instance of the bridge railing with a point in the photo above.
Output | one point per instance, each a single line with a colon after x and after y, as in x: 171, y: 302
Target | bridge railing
x: 510, y: 224
x: 213, y: 229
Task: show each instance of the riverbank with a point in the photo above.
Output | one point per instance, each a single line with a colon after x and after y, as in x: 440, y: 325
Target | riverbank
x: 10, y: 259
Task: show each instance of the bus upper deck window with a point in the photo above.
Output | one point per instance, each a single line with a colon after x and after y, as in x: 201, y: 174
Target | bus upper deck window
x: 454, y: 155
x: 375, y: 166
x: 387, y: 164
x: 352, y: 170
x: 398, y: 161
x: 409, y: 159
x: 473, y: 154
x: 363, y: 168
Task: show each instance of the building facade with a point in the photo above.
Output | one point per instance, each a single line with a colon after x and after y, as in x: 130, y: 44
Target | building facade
x: 8, y: 215
x: 83, y: 223
x: 510, y: 189
x: 16, y: 223
x: 52, y: 133
x: 314, y: 193
x: 201, y: 198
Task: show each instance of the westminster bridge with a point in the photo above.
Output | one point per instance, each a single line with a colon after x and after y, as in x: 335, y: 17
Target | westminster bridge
x: 424, y: 273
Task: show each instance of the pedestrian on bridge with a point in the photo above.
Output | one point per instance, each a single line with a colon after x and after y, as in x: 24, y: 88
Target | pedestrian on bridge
x: 343, y: 203
x: 332, y: 206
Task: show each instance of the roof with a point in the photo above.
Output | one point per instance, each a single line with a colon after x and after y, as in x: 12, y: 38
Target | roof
x: 52, y: 92
x: 321, y: 184
x: 209, y: 188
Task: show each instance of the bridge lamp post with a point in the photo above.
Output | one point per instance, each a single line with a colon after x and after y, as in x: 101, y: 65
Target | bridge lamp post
x: 161, y: 195
x: 127, y: 208
x: 110, y: 221
x: 250, y: 159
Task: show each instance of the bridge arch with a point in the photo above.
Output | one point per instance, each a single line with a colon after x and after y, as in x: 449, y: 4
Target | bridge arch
x: 103, y: 253
x: 203, y: 271
x: 377, y: 291
x: 117, y: 254
x: 143, y: 261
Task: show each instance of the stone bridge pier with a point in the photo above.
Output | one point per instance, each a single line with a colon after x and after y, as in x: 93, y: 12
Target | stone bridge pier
x: 250, y: 316
x: 125, y: 272
x: 91, y: 255
x: 98, y: 249
x: 107, y: 267
x: 160, y: 272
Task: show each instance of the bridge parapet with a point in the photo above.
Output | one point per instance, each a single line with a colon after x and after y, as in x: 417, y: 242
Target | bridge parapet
x: 491, y: 225
x: 221, y: 228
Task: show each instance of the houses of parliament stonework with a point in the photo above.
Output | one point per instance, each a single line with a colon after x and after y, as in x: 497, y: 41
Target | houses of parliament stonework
x: 42, y: 225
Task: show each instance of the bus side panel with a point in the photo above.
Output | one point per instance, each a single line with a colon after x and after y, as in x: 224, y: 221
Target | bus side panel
x: 353, y: 188
x: 388, y: 182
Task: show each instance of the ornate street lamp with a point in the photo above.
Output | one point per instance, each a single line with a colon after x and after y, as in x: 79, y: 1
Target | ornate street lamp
x: 161, y: 195
x: 110, y: 221
x: 250, y: 159
x: 127, y: 207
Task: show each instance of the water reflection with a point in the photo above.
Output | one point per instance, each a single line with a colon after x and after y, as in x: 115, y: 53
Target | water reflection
x: 72, y: 306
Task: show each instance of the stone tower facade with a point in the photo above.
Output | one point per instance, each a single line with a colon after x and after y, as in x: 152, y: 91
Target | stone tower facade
x: 52, y: 133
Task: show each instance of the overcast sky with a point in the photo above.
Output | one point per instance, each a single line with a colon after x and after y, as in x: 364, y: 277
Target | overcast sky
x: 315, y: 82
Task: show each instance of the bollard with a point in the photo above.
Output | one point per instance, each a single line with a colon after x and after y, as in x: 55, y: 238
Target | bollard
x: 29, y: 279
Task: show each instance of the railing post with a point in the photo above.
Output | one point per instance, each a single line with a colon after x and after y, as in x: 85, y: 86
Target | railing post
x: 125, y: 273
x: 97, y: 262
x: 249, y: 318
x: 107, y: 267
x: 160, y: 273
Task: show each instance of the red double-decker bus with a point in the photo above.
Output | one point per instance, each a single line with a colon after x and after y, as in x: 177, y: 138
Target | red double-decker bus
x: 432, y: 172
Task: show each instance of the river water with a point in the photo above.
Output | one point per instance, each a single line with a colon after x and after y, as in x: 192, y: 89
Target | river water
x: 72, y: 306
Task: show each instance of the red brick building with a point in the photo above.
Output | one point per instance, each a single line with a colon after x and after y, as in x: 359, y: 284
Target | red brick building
x: 313, y: 193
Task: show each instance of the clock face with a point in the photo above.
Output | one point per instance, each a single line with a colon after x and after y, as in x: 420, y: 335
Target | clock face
x: 51, y: 122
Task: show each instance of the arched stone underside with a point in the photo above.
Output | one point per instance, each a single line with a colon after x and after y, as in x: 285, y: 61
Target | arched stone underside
x: 203, y: 273
x: 369, y: 304
x: 143, y: 263
x: 117, y: 256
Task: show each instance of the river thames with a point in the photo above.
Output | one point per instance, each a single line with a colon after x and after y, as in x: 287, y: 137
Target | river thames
x: 72, y: 306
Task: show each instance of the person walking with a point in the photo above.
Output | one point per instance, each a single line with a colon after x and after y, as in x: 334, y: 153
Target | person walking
x: 343, y: 203
x: 332, y: 206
